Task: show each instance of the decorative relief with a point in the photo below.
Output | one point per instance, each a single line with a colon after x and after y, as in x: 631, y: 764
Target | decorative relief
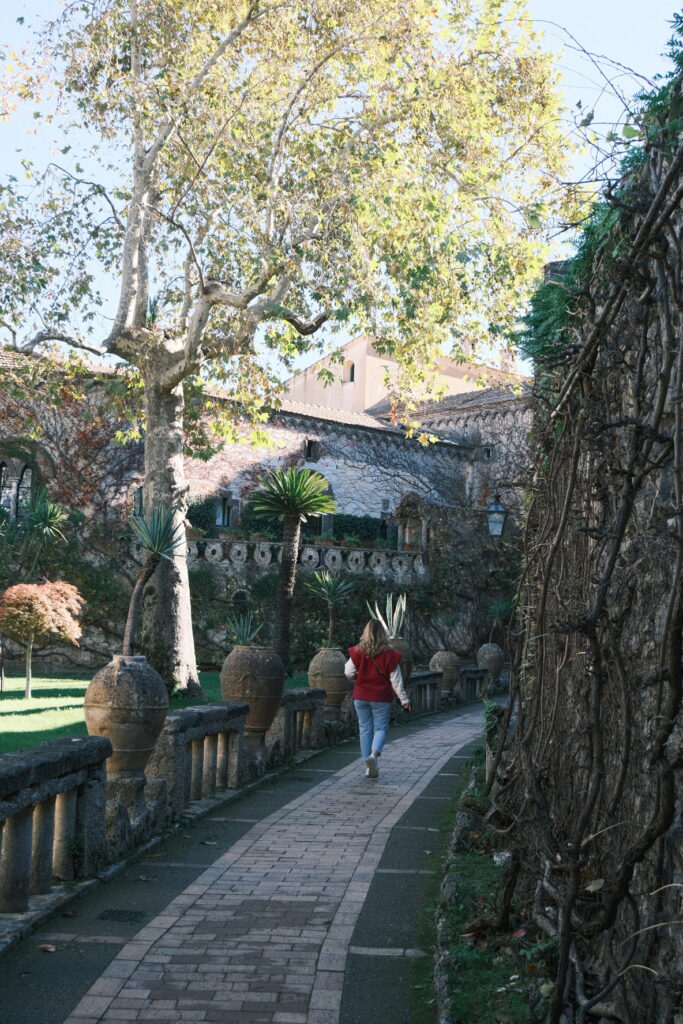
x: 214, y: 551
x: 355, y: 561
x: 333, y: 559
x: 263, y: 553
x: 310, y: 557
x: 238, y: 552
x: 379, y: 562
x: 401, y: 564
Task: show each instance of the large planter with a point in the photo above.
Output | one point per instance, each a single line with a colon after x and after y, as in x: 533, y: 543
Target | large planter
x: 448, y: 664
x: 326, y: 672
x: 127, y: 701
x: 406, y: 662
x: 490, y: 657
x: 255, y: 675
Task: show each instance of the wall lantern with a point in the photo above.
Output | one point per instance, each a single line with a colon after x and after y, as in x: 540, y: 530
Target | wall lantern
x: 496, y: 514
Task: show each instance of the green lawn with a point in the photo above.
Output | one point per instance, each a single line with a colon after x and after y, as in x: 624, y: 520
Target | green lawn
x: 56, y: 707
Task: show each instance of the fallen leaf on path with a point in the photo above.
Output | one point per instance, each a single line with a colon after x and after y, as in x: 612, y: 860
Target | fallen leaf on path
x: 47, y: 947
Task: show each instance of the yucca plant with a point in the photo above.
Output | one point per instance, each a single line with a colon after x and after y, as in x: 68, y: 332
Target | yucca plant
x: 331, y: 589
x: 158, y: 535
x: 394, y: 615
x: 292, y: 495
x: 243, y: 628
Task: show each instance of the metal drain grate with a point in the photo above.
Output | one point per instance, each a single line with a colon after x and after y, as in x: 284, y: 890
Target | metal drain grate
x: 122, y: 915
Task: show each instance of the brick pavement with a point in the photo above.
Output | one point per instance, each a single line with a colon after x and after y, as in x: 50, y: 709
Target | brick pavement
x: 262, y: 936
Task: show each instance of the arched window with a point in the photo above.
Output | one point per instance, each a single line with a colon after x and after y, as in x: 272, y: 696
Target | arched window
x: 348, y: 372
x: 5, y: 489
x: 24, y: 491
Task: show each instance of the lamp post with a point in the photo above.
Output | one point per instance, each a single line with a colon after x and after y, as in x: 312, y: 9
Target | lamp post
x: 496, y: 514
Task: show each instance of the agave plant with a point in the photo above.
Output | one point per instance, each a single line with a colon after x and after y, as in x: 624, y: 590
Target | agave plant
x: 160, y: 537
x: 394, y: 615
x: 292, y: 495
x: 243, y: 628
x: 331, y: 589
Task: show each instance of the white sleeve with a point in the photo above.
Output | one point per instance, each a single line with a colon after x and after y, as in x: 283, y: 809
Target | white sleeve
x: 398, y: 687
x: 350, y: 670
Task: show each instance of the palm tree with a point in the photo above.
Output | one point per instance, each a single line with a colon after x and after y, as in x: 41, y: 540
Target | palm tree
x: 158, y: 536
x: 291, y: 495
x: 332, y: 589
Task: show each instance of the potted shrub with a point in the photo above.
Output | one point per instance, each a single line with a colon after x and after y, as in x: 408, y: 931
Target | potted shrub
x: 127, y: 700
x: 253, y: 674
x: 392, y: 621
x: 326, y: 670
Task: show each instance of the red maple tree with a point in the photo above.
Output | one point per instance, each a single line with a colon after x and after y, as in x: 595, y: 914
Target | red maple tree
x: 29, y: 611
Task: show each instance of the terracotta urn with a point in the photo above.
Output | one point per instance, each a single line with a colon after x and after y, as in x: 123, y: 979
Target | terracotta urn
x: 255, y: 675
x: 448, y: 664
x: 406, y: 662
x: 326, y: 672
x: 490, y: 657
x: 127, y: 701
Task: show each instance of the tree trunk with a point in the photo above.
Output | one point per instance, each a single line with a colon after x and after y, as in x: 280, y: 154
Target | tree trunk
x: 167, y: 638
x: 29, y: 653
x: 331, y: 625
x: 285, y: 585
x: 130, y: 632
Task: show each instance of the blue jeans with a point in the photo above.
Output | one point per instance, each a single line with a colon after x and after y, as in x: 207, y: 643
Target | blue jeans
x: 373, y: 722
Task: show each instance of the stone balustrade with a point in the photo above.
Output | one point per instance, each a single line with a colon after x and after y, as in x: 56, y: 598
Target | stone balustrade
x: 425, y: 692
x: 300, y: 722
x: 199, y: 752
x: 234, y: 555
x: 52, y: 817
x: 473, y: 682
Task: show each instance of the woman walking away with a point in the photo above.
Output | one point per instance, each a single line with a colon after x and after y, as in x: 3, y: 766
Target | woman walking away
x: 374, y: 666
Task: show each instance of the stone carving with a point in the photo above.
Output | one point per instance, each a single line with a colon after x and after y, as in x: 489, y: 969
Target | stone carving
x: 310, y: 558
x: 238, y: 552
x: 263, y: 554
x: 379, y: 562
x: 355, y: 561
x: 333, y: 559
x: 214, y: 551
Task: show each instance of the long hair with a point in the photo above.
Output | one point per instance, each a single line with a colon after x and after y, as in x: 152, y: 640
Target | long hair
x: 374, y: 639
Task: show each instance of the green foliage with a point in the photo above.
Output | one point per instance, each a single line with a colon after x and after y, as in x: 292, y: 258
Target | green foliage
x: 201, y: 514
x: 393, y: 618
x: 268, y: 526
x: 330, y: 588
x: 365, y: 528
x: 292, y: 492
x: 157, y: 532
x: 243, y: 628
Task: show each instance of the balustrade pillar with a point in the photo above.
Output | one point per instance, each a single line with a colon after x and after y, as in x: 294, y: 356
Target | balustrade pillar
x: 43, y: 841
x: 65, y: 835
x: 197, y: 769
x: 15, y: 863
x: 210, y: 757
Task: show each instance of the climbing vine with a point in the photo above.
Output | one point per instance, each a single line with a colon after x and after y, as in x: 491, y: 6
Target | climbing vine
x: 588, y: 790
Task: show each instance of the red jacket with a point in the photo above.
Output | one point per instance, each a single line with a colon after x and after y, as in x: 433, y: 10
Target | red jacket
x: 372, y: 681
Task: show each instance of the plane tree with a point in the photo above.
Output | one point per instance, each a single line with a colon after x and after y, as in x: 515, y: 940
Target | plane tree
x: 241, y: 181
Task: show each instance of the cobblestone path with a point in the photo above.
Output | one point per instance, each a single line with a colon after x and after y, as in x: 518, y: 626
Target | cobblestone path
x: 263, y: 935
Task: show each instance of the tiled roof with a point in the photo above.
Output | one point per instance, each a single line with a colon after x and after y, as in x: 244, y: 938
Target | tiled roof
x: 344, y: 417
x: 483, y: 397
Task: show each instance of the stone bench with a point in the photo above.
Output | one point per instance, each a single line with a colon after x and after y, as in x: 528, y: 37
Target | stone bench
x: 52, y: 817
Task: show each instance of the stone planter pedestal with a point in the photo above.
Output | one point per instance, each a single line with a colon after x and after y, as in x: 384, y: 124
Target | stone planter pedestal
x: 326, y: 672
x: 127, y: 702
x: 491, y: 657
x: 255, y: 675
x: 448, y: 664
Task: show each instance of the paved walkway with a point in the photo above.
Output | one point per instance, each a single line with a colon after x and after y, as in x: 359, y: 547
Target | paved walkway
x: 265, y: 934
